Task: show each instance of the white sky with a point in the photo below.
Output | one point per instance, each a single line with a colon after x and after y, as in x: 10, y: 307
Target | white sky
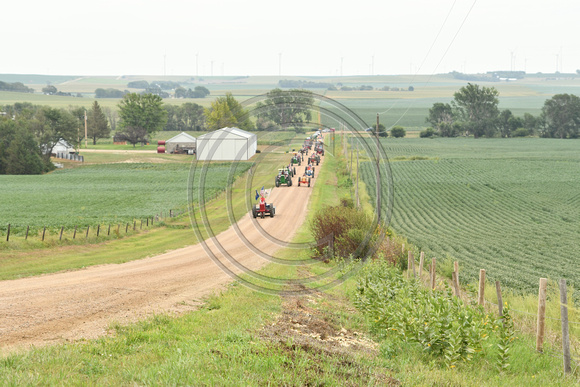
x: 145, y: 37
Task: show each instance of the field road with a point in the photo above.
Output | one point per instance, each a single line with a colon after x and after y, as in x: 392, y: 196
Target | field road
x: 119, y: 151
x: 80, y: 304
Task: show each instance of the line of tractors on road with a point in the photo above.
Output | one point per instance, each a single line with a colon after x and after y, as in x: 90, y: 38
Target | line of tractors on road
x: 286, y: 173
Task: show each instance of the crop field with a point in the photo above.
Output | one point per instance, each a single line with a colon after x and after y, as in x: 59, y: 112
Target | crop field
x: 511, y: 207
x: 107, y: 193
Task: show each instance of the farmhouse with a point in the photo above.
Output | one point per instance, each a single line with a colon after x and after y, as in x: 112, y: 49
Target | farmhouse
x: 227, y: 144
x: 182, y: 143
x: 62, y: 148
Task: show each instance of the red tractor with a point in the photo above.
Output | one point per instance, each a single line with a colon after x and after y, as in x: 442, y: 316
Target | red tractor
x: 314, y: 159
x: 304, y: 180
x: 263, y: 209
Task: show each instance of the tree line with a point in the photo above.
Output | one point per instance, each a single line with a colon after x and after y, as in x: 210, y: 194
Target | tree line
x: 475, y: 111
x: 29, y: 133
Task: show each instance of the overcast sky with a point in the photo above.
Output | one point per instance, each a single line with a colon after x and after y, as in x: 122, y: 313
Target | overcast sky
x: 305, y: 37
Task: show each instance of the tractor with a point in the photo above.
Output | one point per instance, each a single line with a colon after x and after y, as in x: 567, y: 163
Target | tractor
x: 263, y: 209
x: 314, y: 159
x: 283, y: 178
x: 304, y: 180
x: 319, y: 149
x: 296, y: 159
x: 290, y: 170
x: 309, y: 171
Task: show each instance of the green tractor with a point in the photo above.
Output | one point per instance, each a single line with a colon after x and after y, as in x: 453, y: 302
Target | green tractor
x: 296, y: 159
x: 283, y: 178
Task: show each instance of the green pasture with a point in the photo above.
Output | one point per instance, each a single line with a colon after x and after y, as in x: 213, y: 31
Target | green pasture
x: 510, y: 206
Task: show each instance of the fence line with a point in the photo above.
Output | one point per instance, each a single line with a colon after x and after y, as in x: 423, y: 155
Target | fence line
x: 149, y: 222
x: 540, y: 316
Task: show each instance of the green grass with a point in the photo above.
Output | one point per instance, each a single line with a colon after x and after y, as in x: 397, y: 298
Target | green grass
x: 109, y: 193
x: 508, y: 206
x: 22, y: 258
x: 226, y: 342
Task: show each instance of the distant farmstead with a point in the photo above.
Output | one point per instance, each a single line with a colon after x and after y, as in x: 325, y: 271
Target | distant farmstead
x: 182, y: 143
x: 227, y: 144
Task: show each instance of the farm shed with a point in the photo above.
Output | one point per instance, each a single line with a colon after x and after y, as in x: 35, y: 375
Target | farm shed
x: 227, y: 144
x: 62, y: 147
x: 182, y: 143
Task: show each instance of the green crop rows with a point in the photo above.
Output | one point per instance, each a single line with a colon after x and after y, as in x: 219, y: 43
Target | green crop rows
x: 511, y: 206
x: 107, y: 193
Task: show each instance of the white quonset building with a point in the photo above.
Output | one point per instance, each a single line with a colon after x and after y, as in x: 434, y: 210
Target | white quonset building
x: 227, y: 144
x: 182, y: 143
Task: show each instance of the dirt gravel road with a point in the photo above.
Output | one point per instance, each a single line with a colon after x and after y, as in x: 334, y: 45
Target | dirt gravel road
x: 82, y: 304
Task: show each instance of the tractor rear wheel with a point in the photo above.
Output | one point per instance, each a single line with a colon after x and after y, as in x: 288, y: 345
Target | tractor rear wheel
x: 277, y: 182
x: 309, y: 182
x: 262, y: 214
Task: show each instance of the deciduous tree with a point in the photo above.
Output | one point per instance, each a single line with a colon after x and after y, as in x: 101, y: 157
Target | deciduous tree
x: 287, y: 108
x: 561, y: 114
x: 478, y: 108
x: 142, y: 111
x: 227, y: 111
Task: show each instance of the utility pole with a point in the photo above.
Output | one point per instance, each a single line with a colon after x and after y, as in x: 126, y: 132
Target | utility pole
x: 86, y: 146
x: 357, y: 198
x: 378, y: 174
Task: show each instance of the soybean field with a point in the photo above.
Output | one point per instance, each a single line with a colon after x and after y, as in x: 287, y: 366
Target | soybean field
x: 106, y: 193
x: 510, y: 206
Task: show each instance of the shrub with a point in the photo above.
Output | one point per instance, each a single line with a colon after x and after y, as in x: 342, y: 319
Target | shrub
x: 521, y: 132
x: 398, y: 131
x: 429, y: 132
x: 351, y: 231
x: 440, y: 323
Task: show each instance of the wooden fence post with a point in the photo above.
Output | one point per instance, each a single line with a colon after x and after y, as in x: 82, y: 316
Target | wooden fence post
x: 481, y: 298
x: 147, y: 221
x: 126, y: 228
x: 499, y: 299
x: 421, y: 263
x: 43, y: 232
x: 61, y: 230
x: 8, y: 233
x: 27, y: 228
x: 75, y: 233
x: 433, y: 267
x: 565, y: 332
x: 412, y: 259
x: 409, y: 264
x: 88, y: 228
x: 541, y: 326
x: 134, y: 224
x: 98, y: 230
x: 109, y: 230
x: 456, y: 270
x: 118, y: 227
x: 454, y: 280
x: 141, y: 226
